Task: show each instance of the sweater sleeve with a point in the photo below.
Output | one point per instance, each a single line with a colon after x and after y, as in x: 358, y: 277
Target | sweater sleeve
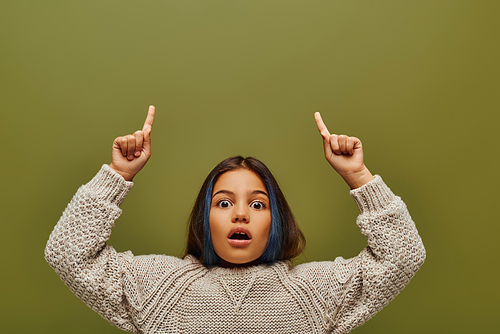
x: 355, y: 289
x: 78, y: 253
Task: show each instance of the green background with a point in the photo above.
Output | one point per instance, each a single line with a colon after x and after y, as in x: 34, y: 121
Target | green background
x: 417, y: 81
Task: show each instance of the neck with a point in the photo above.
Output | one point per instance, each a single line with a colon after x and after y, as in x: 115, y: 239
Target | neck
x: 224, y: 264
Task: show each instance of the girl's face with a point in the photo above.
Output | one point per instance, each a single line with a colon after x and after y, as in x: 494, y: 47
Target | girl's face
x: 240, y: 217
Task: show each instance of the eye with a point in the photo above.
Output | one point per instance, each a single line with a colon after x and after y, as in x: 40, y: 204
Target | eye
x: 257, y: 205
x: 223, y: 204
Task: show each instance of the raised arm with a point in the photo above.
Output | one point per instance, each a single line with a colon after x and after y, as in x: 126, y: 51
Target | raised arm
x: 355, y: 289
x: 77, y: 249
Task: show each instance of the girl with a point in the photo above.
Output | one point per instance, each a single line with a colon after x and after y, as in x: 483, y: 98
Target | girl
x: 236, y: 276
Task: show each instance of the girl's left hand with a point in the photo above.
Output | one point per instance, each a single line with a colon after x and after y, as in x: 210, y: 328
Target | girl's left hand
x: 345, y: 155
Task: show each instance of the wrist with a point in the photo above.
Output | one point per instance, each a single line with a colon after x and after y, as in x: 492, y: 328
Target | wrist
x: 358, y: 179
x: 126, y: 176
x: 109, y: 185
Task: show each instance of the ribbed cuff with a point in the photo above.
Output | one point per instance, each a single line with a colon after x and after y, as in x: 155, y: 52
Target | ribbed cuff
x: 373, y: 196
x: 110, y: 185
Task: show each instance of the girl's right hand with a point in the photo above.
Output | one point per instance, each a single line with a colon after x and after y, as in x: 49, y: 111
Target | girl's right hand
x: 131, y: 152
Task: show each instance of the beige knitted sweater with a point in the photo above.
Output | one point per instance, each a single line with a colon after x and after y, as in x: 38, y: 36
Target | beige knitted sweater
x: 164, y: 294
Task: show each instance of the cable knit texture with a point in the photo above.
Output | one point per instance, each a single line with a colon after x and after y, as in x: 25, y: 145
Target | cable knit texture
x: 164, y: 294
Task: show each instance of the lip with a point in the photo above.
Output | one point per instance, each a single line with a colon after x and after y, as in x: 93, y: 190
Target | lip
x: 239, y: 242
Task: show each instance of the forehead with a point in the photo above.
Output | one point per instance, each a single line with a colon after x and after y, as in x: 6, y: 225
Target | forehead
x: 240, y: 179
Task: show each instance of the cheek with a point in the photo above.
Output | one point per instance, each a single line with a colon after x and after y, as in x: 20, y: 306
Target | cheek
x: 265, y: 227
x: 212, y: 222
x: 217, y: 230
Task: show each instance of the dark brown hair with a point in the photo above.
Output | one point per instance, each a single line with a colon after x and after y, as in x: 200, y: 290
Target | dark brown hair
x: 285, y: 242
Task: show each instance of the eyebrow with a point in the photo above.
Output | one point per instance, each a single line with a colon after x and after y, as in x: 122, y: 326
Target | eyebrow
x: 232, y: 193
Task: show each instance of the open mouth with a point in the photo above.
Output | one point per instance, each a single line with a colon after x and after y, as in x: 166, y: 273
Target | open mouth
x: 239, y: 236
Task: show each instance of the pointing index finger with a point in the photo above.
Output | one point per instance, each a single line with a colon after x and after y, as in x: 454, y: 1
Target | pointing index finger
x: 148, y: 124
x: 321, y: 126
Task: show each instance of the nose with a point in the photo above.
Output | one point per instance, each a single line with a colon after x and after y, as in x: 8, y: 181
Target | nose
x: 240, y: 215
